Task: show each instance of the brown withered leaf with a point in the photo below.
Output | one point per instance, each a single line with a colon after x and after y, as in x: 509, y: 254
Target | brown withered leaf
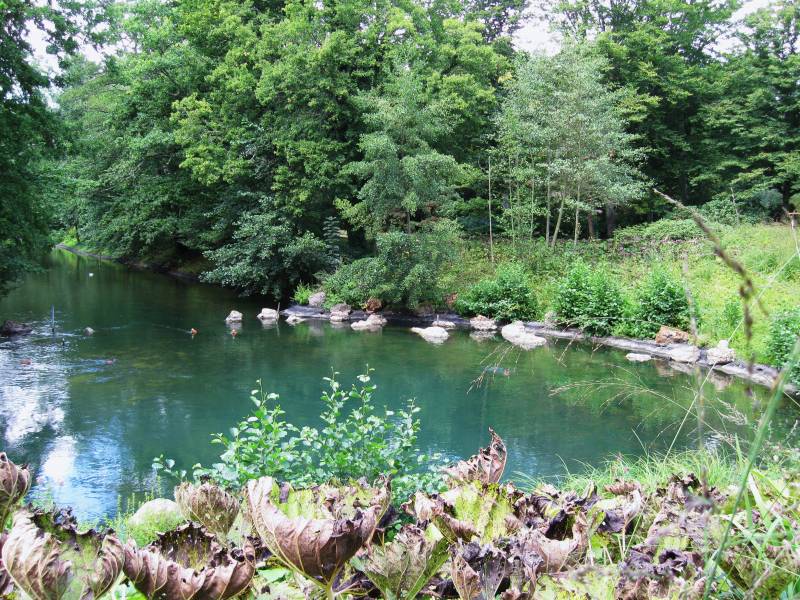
x: 48, y: 559
x: 167, y: 570
x: 14, y: 484
x: 6, y: 583
x: 315, y: 531
x: 209, y: 505
x: 486, y: 466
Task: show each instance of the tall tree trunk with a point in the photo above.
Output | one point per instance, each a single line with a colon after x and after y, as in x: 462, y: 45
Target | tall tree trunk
x: 533, y: 204
x: 547, y: 217
x: 558, y: 222
x: 590, y: 224
x: 611, y: 219
x: 577, y: 225
x: 491, y: 238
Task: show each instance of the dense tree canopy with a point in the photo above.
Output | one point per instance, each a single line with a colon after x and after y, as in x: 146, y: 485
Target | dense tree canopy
x: 257, y: 140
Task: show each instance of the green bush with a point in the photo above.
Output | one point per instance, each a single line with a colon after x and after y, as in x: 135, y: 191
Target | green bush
x: 661, y: 300
x: 302, y: 293
x: 783, y: 333
x: 355, y: 441
x: 651, y: 235
x: 590, y: 299
x: 507, y: 296
x: 406, y: 270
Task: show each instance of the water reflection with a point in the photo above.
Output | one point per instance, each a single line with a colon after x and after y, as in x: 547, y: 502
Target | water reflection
x: 91, y: 412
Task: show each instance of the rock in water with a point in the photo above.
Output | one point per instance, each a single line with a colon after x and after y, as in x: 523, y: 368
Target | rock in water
x: 637, y: 357
x: 267, y: 314
x: 316, y: 300
x: 443, y: 324
x: 434, y: 335
x: 482, y: 336
x: 481, y: 323
x: 294, y: 319
x: 519, y: 336
x: 685, y: 353
x: 371, y: 323
x: 721, y: 354
x: 88, y: 331
x: 15, y: 328
x: 159, y: 510
x: 234, y: 317
x: 670, y: 335
x: 340, y: 312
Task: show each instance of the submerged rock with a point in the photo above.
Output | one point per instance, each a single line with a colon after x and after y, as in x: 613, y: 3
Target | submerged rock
x: 482, y: 323
x: 340, y: 312
x: 434, y: 335
x: 443, y: 324
x: 371, y: 323
x: 316, y: 300
x: 267, y: 314
x: 234, y: 317
x: 160, y: 510
x: 685, y: 353
x: 721, y: 354
x: 15, y: 328
x: 519, y: 336
x: 88, y: 331
x: 294, y: 319
x: 481, y: 336
x: 638, y: 357
x: 670, y: 335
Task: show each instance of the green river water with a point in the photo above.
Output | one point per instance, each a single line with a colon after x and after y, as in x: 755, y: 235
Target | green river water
x: 90, y: 413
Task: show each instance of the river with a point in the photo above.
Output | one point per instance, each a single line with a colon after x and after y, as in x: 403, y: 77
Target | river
x: 89, y: 413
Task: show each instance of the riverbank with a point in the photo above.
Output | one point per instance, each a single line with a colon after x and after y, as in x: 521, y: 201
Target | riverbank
x: 760, y: 374
x: 142, y: 266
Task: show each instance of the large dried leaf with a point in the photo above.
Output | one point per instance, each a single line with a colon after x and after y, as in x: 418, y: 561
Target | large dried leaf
x: 189, y: 564
x: 486, y: 466
x: 48, y: 559
x: 478, y: 570
x: 401, y: 568
x: 14, y: 484
x: 6, y: 583
x: 556, y: 553
x: 209, y: 505
x: 472, y: 510
x: 316, y: 530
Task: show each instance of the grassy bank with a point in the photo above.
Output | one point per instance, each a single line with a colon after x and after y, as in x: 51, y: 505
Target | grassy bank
x: 769, y: 253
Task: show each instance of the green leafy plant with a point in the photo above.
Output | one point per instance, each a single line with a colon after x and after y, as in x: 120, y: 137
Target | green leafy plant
x: 783, y: 333
x: 302, y: 293
x: 660, y: 300
x: 589, y: 298
x: 508, y: 296
x: 356, y: 440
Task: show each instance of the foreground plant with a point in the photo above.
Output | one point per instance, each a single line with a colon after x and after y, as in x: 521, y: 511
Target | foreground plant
x: 402, y: 567
x: 48, y: 559
x: 14, y: 484
x: 209, y: 505
x: 486, y: 466
x: 189, y: 563
x: 315, y: 531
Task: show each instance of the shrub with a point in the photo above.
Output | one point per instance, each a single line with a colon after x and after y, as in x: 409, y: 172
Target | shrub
x: 590, y: 299
x: 302, y: 293
x: 651, y: 235
x: 507, y: 297
x: 406, y: 270
x: 661, y: 300
x: 355, y: 441
x: 783, y: 333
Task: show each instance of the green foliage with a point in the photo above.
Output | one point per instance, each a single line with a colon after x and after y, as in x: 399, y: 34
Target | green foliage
x: 302, y: 293
x: 508, y: 296
x: 405, y: 271
x: 660, y: 300
x: 589, y: 298
x: 355, y: 440
x: 267, y: 255
x: 649, y: 236
x: 783, y: 336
